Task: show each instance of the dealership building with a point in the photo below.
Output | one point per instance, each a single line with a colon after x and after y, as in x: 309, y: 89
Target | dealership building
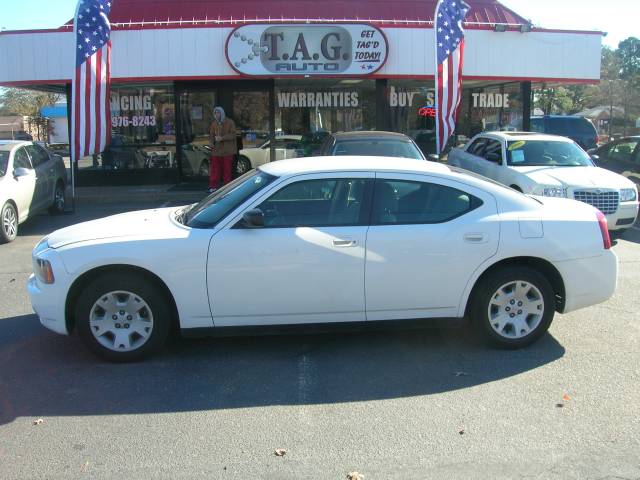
x: 288, y: 72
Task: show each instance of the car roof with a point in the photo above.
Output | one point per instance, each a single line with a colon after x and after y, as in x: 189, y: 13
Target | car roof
x: 9, y: 144
x: 370, y: 134
x: 350, y: 164
x: 288, y: 137
x: 527, y: 136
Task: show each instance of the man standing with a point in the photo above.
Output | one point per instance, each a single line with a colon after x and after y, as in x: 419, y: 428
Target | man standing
x: 222, y: 139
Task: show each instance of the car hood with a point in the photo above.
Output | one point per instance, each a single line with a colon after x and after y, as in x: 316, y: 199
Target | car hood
x: 155, y: 223
x: 586, y: 177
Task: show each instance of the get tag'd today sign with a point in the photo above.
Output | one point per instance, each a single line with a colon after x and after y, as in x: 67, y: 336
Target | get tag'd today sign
x: 306, y: 49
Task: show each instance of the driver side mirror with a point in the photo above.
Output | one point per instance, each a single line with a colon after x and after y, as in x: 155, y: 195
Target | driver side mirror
x: 21, y: 172
x: 595, y: 157
x: 253, y: 219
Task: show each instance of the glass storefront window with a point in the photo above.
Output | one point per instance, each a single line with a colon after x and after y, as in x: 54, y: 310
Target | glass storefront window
x: 496, y: 107
x: 412, y: 111
x: 143, y: 130
x: 314, y: 108
x: 196, y: 116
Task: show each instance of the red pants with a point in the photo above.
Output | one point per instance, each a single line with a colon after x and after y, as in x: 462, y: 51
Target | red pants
x: 218, y: 166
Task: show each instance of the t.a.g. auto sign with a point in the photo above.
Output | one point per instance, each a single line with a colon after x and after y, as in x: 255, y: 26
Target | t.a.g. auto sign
x: 306, y: 49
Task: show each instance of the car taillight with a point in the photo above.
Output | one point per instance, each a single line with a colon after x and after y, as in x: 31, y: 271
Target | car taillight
x: 604, y: 230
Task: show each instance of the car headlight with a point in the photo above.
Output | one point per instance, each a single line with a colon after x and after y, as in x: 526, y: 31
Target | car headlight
x: 43, y: 270
x: 553, y: 191
x: 628, y: 195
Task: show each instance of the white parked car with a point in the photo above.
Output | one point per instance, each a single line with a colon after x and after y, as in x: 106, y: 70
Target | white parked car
x: 326, y: 240
x: 551, y: 166
x: 286, y: 146
x: 31, y: 180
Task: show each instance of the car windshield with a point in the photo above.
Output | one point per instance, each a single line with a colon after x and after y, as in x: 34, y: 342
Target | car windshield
x: 209, y: 211
x: 380, y: 147
x: 546, y: 153
x: 4, y: 161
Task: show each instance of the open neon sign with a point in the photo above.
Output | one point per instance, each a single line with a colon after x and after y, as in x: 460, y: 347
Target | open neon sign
x: 429, y: 112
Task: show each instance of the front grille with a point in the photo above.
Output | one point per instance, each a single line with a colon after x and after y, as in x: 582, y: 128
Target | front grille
x: 606, y: 202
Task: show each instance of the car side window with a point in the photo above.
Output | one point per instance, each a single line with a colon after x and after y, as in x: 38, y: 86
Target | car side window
x: 623, y: 150
x: 537, y: 125
x: 38, y: 155
x: 402, y: 202
x: 493, y: 151
x: 316, y: 203
x: 477, y: 147
x: 21, y: 159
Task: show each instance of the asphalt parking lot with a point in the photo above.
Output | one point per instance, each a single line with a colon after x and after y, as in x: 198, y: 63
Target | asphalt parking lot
x: 401, y: 404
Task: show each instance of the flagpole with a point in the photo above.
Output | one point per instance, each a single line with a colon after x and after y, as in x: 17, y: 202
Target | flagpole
x: 435, y: 76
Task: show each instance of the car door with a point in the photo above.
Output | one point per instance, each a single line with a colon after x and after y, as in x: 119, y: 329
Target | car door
x: 306, y: 265
x: 492, y: 158
x: 44, y: 176
x: 470, y: 159
x: 23, y: 187
x: 427, y: 238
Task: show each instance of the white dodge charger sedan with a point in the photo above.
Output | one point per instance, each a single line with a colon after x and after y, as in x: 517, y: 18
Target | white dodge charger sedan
x: 552, y: 166
x: 343, y: 240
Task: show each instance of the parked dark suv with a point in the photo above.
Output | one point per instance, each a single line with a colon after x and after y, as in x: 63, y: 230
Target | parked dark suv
x: 384, y: 144
x: 578, y: 129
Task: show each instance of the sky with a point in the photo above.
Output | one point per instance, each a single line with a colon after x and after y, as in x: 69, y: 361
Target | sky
x: 619, y: 18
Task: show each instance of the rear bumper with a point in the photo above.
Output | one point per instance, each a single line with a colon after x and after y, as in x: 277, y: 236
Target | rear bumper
x: 47, y: 306
x: 588, y: 281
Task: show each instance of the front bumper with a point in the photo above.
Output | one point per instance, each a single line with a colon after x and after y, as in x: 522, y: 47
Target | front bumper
x: 48, y: 305
x: 624, y: 217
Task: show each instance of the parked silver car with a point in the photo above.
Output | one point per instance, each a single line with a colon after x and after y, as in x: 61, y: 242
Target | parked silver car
x: 31, y: 180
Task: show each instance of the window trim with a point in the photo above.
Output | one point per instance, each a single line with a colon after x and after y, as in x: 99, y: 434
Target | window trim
x: 475, y: 204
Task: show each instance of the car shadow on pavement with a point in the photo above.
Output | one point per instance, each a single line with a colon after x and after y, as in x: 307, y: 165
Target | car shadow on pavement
x: 45, y: 375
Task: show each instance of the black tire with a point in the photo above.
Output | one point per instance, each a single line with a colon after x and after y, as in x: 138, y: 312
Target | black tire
x: 510, y: 338
x: 59, y: 202
x: 142, y: 288
x: 243, y: 165
x: 8, y: 223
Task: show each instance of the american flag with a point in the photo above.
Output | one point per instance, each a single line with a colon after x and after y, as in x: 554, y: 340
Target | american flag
x: 449, y: 55
x: 91, y: 116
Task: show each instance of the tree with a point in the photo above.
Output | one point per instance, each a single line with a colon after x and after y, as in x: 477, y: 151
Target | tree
x: 553, y: 100
x: 17, y: 101
x: 629, y: 56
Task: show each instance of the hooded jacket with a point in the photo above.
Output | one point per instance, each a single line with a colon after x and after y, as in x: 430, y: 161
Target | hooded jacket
x: 226, y: 129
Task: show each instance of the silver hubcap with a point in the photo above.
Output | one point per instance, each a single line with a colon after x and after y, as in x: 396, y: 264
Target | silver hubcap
x: 242, y: 167
x: 10, y: 222
x: 59, y: 199
x: 121, y: 321
x: 516, y: 309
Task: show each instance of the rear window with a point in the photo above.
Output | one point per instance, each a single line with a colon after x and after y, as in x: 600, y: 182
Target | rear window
x: 384, y: 148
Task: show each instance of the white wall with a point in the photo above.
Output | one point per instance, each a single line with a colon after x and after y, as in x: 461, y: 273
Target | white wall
x: 199, y: 52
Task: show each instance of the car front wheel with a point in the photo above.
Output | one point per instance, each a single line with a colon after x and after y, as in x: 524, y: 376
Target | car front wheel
x: 123, y: 317
x: 513, y: 307
x: 9, y: 227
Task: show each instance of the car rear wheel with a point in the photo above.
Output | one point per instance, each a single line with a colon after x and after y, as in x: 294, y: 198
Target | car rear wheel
x: 57, y: 207
x: 512, y: 307
x: 123, y: 318
x: 9, y: 227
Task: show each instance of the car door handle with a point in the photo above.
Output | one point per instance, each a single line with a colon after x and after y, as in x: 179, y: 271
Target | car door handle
x: 476, y: 237
x: 344, y: 243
